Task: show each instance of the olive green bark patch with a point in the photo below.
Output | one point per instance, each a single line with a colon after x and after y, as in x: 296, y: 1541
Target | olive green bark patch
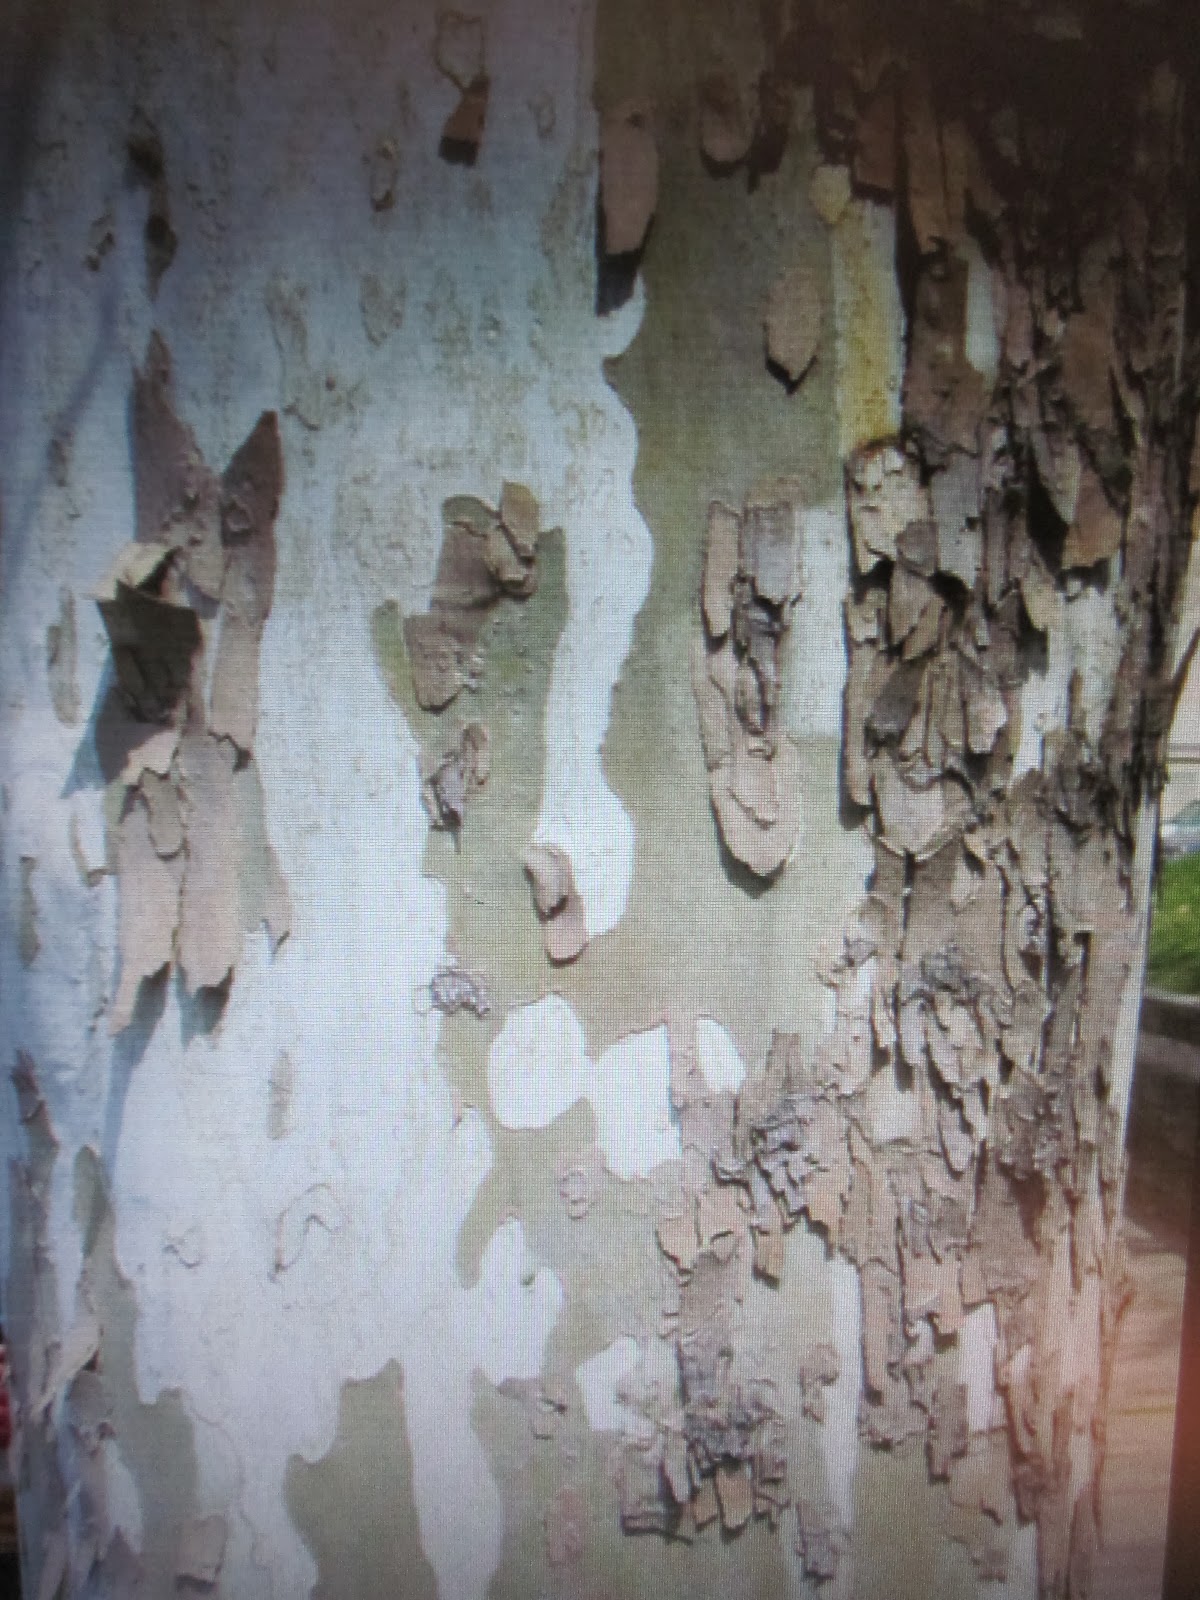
x: 354, y: 1507
x: 155, y: 1441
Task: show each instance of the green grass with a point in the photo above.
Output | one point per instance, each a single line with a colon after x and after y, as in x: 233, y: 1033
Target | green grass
x: 1174, y: 961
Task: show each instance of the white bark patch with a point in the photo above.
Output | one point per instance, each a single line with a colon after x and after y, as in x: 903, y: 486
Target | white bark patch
x: 538, y: 1068
x: 491, y: 367
x: 608, y: 577
x: 982, y: 343
x: 537, y: 1065
x: 599, y: 1377
x: 839, y: 1437
x: 814, y: 652
x: 718, y: 1056
x: 1022, y: 1580
x: 1085, y: 637
x: 977, y: 1366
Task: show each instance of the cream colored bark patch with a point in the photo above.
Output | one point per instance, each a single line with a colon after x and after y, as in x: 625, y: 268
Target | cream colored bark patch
x: 718, y: 1057
x: 538, y: 1068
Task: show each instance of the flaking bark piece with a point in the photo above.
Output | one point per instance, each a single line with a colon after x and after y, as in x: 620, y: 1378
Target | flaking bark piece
x: 751, y: 580
x: 1086, y: 351
x: 463, y: 131
x: 815, y: 1541
x: 177, y: 498
x: 945, y: 398
x: 720, y: 567
x: 465, y: 581
x: 250, y: 494
x: 986, y: 712
x: 148, y: 911
x: 875, y: 144
x: 1059, y: 463
x: 793, y: 323
x: 915, y: 818
x: 817, y: 1371
x: 565, y: 933
x: 201, y: 1552
x: 166, y: 820
x: 927, y: 200
x: 515, y: 575
x: 484, y: 557
x: 438, y: 660
x: 884, y: 495
x: 153, y: 640
x: 564, y: 925
x: 894, y: 707
x: 520, y: 515
x: 549, y: 871
x: 927, y: 632
x: 78, y: 1346
x: 462, y: 771
x: 251, y: 490
x: 910, y: 598
x: 677, y: 1240
x: 768, y: 552
x: 948, y: 1428
x: 760, y: 825
x: 734, y: 1494
x: 641, y: 1490
x: 210, y: 922
x: 142, y: 565
x: 1095, y: 533
x: 454, y: 989
x: 628, y: 176
x: 127, y: 747
x: 726, y: 133
x: 917, y: 548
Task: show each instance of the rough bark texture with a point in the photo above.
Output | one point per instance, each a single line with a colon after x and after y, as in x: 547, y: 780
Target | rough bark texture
x: 705, y: 670
x: 958, y: 1136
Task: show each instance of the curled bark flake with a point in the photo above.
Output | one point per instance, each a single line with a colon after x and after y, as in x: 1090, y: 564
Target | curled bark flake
x: 628, y: 176
x: 558, y: 903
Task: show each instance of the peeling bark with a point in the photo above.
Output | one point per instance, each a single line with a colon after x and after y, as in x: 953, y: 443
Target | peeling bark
x: 752, y: 579
x: 954, y: 1136
x: 191, y: 862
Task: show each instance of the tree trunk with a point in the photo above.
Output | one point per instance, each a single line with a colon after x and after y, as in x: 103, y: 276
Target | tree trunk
x: 589, y: 594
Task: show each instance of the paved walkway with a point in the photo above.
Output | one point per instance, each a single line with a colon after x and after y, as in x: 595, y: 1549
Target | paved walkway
x: 1141, y: 1418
